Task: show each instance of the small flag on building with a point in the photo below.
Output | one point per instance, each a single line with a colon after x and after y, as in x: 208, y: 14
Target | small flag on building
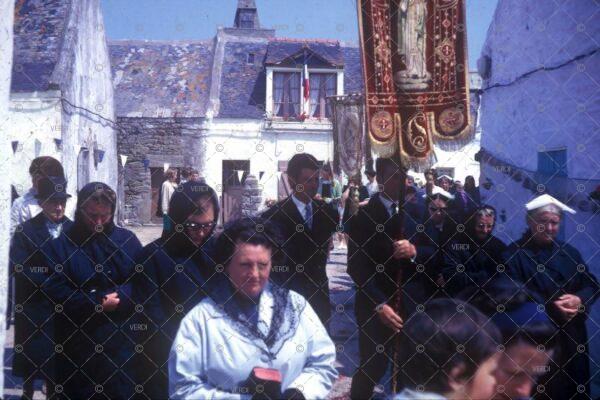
x: 306, y: 91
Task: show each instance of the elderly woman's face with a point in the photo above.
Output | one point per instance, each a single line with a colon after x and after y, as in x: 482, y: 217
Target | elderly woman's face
x: 484, y: 224
x: 96, y: 215
x: 249, y: 269
x: 544, y: 226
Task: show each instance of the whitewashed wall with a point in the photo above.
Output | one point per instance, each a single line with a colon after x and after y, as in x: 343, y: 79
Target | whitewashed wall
x: 84, y: 75
x: 33, y: 118
x: 263, y: 145
x: 6, y: 51
x: 463, y: 160
x: 542, y: 109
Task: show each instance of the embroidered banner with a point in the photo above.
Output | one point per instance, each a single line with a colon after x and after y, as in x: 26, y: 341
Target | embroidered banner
x: 348, y: 134
x: 416, y: 77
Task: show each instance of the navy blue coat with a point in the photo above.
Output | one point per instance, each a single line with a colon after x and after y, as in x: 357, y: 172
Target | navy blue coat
x: 95, y: 344
x: 552, y: 272
x: 34, y: 322
x: 470, y: 264
x: 169, y: 284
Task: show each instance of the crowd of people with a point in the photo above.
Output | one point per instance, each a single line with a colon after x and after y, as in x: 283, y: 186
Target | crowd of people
x: 243, y: 311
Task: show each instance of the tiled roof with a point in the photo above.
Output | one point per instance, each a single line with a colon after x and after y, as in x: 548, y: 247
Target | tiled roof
x: 39, y: 27
x: 168, y: 79
x: 327, y: 51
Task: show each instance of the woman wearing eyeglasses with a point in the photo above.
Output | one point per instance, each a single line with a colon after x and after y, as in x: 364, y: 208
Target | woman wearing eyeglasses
x: 472, y: 259
x: 172, y: 276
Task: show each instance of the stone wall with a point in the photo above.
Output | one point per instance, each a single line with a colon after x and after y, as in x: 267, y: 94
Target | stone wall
x: 177, y: 141
x: 251, y: 197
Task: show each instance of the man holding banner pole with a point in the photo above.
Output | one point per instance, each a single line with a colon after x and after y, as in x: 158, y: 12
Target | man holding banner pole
x: 415, y: 91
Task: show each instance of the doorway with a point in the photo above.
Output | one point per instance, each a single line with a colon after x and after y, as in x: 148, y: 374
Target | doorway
x: 234, y: 176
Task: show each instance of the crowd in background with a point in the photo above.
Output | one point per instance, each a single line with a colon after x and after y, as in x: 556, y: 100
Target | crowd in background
x: 245, y: 313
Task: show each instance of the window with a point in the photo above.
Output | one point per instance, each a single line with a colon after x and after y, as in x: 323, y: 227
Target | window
x: 286, y: 94
x: 321, y: 86
x: 250, y: 59
x: 553, y: 162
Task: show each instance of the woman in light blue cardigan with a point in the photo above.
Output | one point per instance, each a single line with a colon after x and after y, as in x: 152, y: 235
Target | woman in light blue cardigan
x: 250, y: 337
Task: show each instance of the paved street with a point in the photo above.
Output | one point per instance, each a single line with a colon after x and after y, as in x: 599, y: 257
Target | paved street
x: 343, y: 326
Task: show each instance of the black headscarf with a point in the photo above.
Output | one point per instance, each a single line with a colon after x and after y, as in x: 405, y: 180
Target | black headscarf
x: 181, y: 206
x: 79, y: 233
x: 472, y: 223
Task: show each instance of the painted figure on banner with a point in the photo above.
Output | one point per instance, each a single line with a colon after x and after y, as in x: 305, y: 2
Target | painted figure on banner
x: 412, y: 17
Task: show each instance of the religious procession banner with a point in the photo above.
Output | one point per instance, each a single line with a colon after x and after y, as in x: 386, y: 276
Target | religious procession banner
x: 348, y: 134
x: 416, y: 77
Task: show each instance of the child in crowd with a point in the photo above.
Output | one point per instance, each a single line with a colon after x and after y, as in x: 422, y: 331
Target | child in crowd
x: 449, y: 351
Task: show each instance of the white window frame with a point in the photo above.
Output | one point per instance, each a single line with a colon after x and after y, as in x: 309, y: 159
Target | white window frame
x: 269, y: 83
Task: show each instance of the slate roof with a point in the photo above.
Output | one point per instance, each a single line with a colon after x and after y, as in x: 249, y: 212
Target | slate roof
x: 353, y: 77
x: 168, y: 79
x: 39, y: 27
x: 243, y: 84
x: 282, y: 50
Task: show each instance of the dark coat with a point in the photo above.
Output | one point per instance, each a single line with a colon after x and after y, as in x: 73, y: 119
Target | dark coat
x: 306, y: 251
x: 34, y: 322
x: 469, y: 263
x: 372, y: 232
x: 460, y: 208
x: 170, y: 284
x: 96, y: 344
x: 563, y: 272
x: 370, y: 263
x: 431, y: 245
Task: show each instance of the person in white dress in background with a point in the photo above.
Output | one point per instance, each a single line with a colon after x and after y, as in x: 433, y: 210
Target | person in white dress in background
x: 166, y: 192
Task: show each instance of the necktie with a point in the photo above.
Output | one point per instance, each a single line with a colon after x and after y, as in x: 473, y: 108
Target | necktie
x: 308, y: 216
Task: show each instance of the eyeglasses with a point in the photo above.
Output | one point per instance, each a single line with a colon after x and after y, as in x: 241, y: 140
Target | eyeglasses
x: 482, y: 226
x: 192, y: 226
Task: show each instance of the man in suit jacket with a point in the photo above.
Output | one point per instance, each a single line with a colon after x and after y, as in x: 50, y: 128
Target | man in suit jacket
x: 375, y: 255
x: 306, y: 225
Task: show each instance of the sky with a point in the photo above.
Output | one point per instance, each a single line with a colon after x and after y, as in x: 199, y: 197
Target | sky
x: 199, y: 19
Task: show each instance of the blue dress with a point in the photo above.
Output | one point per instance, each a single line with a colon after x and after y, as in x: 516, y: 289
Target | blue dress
x: 95, y: 345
